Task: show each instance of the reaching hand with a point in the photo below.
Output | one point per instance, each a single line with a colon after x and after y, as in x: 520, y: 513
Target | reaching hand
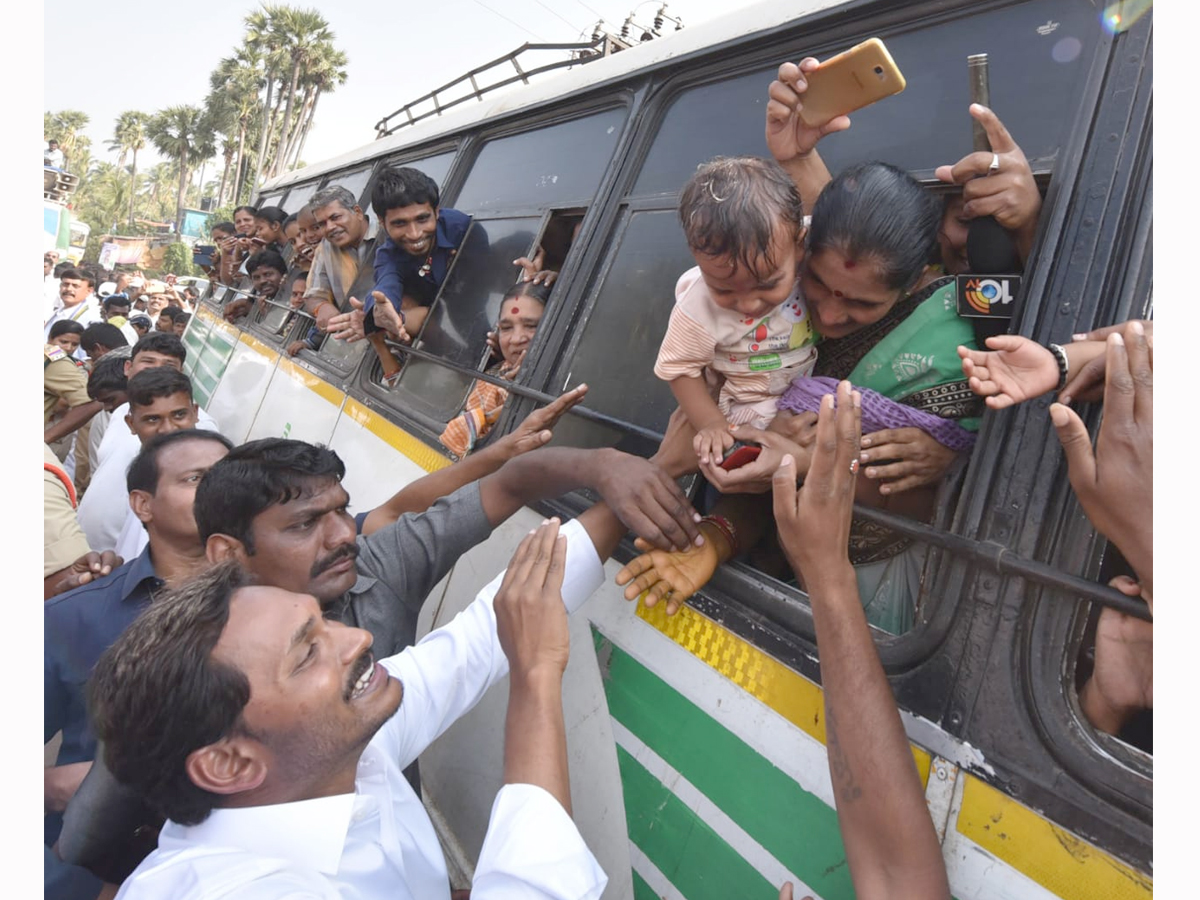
x: 647, y: 501
x: 1009, y: 194
x: 677, y: 453
x: 347, y: 326
x: 1014, y: 370
x: 814, y: 522
x: 1086, y: 381
x: 530, y: 267
x: 531, y: 621
x: 789, y: 137
x: 388, y: 319
x: 1115, y: 482
x: 1122, y: 681
x: 237, y: 309
x: 534, y: 431
x: 672, y: 575
x: 295, y: 347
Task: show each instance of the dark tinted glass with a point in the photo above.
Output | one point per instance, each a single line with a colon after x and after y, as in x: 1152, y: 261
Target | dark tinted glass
x: 620, y: 342
x: 340, y: 353
x: 555, y: 165
x: 436, y: 167
x: 299, y: 195
x: 466, y: 310
x: 1038, y: 54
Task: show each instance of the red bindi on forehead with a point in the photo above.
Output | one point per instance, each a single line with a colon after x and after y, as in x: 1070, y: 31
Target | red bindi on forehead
x: 850, y: 264
x: 515, y: 310
x: 838, y: 294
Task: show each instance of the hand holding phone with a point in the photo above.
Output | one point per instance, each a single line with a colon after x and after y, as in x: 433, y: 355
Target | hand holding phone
x: 849, y: 81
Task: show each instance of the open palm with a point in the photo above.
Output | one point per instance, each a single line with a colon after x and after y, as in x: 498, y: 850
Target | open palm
x: 668, y: 575
x: 1012, y: 370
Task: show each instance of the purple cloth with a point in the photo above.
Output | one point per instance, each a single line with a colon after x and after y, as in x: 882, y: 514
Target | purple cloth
x: 878, y: 412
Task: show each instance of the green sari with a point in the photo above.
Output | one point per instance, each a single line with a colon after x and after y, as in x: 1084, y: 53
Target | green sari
x: 910, y: 356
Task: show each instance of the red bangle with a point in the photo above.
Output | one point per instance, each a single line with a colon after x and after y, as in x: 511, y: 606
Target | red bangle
x: 727, y: 530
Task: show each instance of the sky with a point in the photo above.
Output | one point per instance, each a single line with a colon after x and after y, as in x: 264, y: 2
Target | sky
x: 178, y: 45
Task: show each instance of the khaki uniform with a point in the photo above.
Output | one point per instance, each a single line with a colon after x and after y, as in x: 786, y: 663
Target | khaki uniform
x: 63, y: 381
x: 65, y: 542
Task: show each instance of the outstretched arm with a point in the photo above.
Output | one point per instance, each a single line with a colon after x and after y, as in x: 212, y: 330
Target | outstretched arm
x: 532, y: 433
x: 790, y: 139
x: 891, y: 846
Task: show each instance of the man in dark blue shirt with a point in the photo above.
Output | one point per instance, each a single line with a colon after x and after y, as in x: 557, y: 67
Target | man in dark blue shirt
x: 411, y: 263
x: 81, y: 624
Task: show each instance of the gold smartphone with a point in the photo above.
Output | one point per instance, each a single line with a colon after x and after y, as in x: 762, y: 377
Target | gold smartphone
x: 850, y: 81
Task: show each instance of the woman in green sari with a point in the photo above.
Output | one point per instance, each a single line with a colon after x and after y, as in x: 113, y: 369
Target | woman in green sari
x: 889, y: 324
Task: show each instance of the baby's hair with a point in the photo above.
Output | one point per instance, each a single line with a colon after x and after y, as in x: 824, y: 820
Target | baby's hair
x: 733, y: 205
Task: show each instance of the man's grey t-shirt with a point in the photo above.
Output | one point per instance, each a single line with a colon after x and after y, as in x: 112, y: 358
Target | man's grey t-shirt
x: 400, y: 564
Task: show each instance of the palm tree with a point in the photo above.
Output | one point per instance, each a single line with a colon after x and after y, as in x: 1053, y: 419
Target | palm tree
x: 231, y: 103
x: 305, y: 34
x: 263, y: 37
x: 129, y: 136
x: 176, y: 131
x: 326, y: 71
x: 65, y: 127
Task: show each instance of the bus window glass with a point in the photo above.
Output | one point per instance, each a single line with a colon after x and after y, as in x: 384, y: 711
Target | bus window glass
x: 1038, y: 53
x: 466, y: 309
x: 436, y: 167
x: 620, y: 342
x: 269, y: 199
x: 550, y: 166
x: 298, y: 196
x: 354, y: 181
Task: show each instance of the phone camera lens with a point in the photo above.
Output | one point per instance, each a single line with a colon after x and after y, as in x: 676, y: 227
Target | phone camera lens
x: 879, y: 71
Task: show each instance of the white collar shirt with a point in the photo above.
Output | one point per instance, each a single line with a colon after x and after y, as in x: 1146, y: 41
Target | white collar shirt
x: 379, y: 841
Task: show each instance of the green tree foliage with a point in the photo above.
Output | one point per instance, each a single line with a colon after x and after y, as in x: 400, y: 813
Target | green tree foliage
x: 177, y: 260
x: 66, y: 127
x: 129, y: 136
x: 178, y: 132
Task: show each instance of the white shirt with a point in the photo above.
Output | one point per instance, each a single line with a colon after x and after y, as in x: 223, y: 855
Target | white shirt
x: 53, y: 158
x: 379, y: 842
x: 105, y: 504
x: 85, y: 313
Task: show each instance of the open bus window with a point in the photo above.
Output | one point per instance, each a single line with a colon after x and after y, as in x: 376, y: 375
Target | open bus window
x: 298, y: 196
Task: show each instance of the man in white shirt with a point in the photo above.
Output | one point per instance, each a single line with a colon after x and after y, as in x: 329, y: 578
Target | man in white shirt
x: 105, y: 506
x: 53, y: 156
x: 78, y: 302
x: 278, y: 742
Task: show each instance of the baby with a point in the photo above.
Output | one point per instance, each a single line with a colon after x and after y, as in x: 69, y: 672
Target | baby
x: 739, y: 333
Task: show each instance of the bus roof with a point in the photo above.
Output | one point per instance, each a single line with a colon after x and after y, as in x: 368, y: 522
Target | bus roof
x: 762, y: 16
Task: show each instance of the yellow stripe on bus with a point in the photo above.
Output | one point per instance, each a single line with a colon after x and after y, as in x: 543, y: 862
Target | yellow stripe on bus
x: 258, y: 346
x: 1064, y: 864
x: 791, y: 695
x: 414, y: 448
x: 301, y: 375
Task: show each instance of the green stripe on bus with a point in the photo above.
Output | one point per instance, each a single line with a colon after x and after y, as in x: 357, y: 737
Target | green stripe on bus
x: 685, y: 849
x: 641, y: 890
x: 793, y: 825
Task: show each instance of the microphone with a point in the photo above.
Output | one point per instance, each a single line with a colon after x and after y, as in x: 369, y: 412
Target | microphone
x: 989, y: 294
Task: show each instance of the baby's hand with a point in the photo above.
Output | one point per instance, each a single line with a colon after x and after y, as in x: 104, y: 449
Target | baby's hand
x: 712, y: 442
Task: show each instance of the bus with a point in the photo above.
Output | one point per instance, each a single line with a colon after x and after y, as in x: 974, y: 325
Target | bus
x: 697, y: 754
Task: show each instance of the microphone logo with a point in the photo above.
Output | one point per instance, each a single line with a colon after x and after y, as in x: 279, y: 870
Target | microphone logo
x: 991, y: 297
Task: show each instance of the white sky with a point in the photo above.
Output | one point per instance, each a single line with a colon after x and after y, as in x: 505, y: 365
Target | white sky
x: 161, y: 54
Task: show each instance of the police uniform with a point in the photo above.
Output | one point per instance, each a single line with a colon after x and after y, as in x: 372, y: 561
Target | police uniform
x: 62, y: 380
x: 65, y: 542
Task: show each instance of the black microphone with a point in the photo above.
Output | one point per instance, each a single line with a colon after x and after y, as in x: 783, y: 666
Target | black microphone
x: 991, y: 250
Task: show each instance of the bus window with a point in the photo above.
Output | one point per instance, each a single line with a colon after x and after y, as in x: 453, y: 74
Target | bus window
x: 550, y: 166
x: 465, y: 310
x: 436, y: 167
x: 628, y: 319
x: 355, y: 181
x: 269, y: 200
x: 298, y: 196
x: 1039, y: 54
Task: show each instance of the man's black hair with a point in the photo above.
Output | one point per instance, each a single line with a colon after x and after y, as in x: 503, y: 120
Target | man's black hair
x: 290, y: 220
x: 256, y: 476
x: 160, y: 342
x: 227, y: 227
x: 108, y: 375
x: 63, y: 266
x: 171, y: 312
x: 149, y: 385
x: 66, y: 326
x: 157, y: 694
x: 266, y: 258
x: 102, y: 333
x: 118, y: 299
x: 77, y: 273
x: 398, y: 187
x: 143, y: 472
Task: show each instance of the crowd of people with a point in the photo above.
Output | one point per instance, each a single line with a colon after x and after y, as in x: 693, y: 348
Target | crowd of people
x: 231, y: 656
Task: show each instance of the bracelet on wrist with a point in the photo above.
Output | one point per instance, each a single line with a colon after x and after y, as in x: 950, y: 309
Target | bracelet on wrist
x: 727, y: 531
x: 1064, y: 365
